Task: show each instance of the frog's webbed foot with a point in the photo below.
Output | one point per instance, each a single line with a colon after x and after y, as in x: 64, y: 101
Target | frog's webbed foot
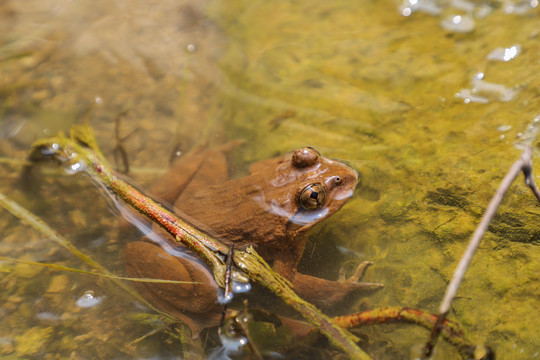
x: 357, y: 276
x: 327, y: 293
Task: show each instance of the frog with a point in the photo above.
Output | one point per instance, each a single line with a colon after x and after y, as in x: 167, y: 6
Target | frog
x: 272, y: 209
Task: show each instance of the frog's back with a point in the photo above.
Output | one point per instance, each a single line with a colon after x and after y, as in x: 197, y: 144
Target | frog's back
x: 236, y: 212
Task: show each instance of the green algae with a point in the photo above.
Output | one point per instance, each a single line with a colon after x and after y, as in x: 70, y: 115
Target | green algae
x: 379, y: 94
x: 33, y: 340
x: 358, y: 81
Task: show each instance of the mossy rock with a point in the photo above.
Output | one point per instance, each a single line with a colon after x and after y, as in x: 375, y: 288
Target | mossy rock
x: 33, y: 340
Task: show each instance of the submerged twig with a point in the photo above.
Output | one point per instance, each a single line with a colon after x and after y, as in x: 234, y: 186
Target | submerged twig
x: 36, y: 223
x: 85, y: 272
x: 236, y: 327
x: 227, y: 293
x: 524, y: 164
x: 450, y: 331
x: 81, y: 149
x: 119, y: 150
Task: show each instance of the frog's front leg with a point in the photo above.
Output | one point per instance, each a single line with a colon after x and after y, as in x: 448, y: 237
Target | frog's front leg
x: 327, y: 293
x: 323, y: 292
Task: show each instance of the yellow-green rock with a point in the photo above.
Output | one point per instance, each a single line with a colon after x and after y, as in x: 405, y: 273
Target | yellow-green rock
x: 33, y: 340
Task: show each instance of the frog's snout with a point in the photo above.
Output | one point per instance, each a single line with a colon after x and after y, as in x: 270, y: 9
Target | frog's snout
x: 341, y: 187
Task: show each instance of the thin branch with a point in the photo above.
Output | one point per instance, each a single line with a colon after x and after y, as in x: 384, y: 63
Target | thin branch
x: 524, y: 164
x: 451, y: 331
x: 39, y: 225
x: 85, y: 272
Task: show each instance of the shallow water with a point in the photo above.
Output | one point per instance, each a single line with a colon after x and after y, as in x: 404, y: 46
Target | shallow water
x: 430, y: 111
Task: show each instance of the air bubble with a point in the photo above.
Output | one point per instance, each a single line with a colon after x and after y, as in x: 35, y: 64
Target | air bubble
x: 230, y: 346
x: 505, y: 54
x: 224, y: 298
x: 74, y: 168
x: 47, y: 151
x: 88, y: 300
x: 241, y: 287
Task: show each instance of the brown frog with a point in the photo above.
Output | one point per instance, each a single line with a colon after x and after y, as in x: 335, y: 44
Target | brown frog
x: 271, y: 209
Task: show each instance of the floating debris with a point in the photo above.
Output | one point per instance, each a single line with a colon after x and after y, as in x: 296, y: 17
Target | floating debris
x: 529, y: 136
x: 505, y: 54
x: 464, y: 5
x: 483, y: 91
x: 503, y: 128
x: 468, y: 97
x: 520, y: 7
x: 48, y: 316
x: 498, y: 91
x: 455, y: 23
x: 426, y: 6
x: 458, y: 23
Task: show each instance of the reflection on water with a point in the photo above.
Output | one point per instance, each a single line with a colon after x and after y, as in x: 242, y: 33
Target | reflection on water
x: 392, y: 88
x: 483, y: 92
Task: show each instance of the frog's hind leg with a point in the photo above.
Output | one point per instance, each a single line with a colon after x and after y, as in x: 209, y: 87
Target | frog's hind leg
x: 193, y: 300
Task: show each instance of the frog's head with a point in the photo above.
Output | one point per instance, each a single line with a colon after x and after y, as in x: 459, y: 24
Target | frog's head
x: 306, y: 188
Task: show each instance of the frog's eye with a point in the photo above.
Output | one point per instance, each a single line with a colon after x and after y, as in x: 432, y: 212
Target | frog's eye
x: 305, y: 157
x: 313, y: 197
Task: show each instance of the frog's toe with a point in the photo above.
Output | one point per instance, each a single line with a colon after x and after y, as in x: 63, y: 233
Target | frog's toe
x: 368, y: 285
x: 358, y: 275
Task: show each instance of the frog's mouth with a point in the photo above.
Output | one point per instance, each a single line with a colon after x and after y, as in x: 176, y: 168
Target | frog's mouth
x: 301, y: 217
x: 305, y: 217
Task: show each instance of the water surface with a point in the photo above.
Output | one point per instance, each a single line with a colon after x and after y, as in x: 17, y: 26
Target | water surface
x: 428, y: 100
